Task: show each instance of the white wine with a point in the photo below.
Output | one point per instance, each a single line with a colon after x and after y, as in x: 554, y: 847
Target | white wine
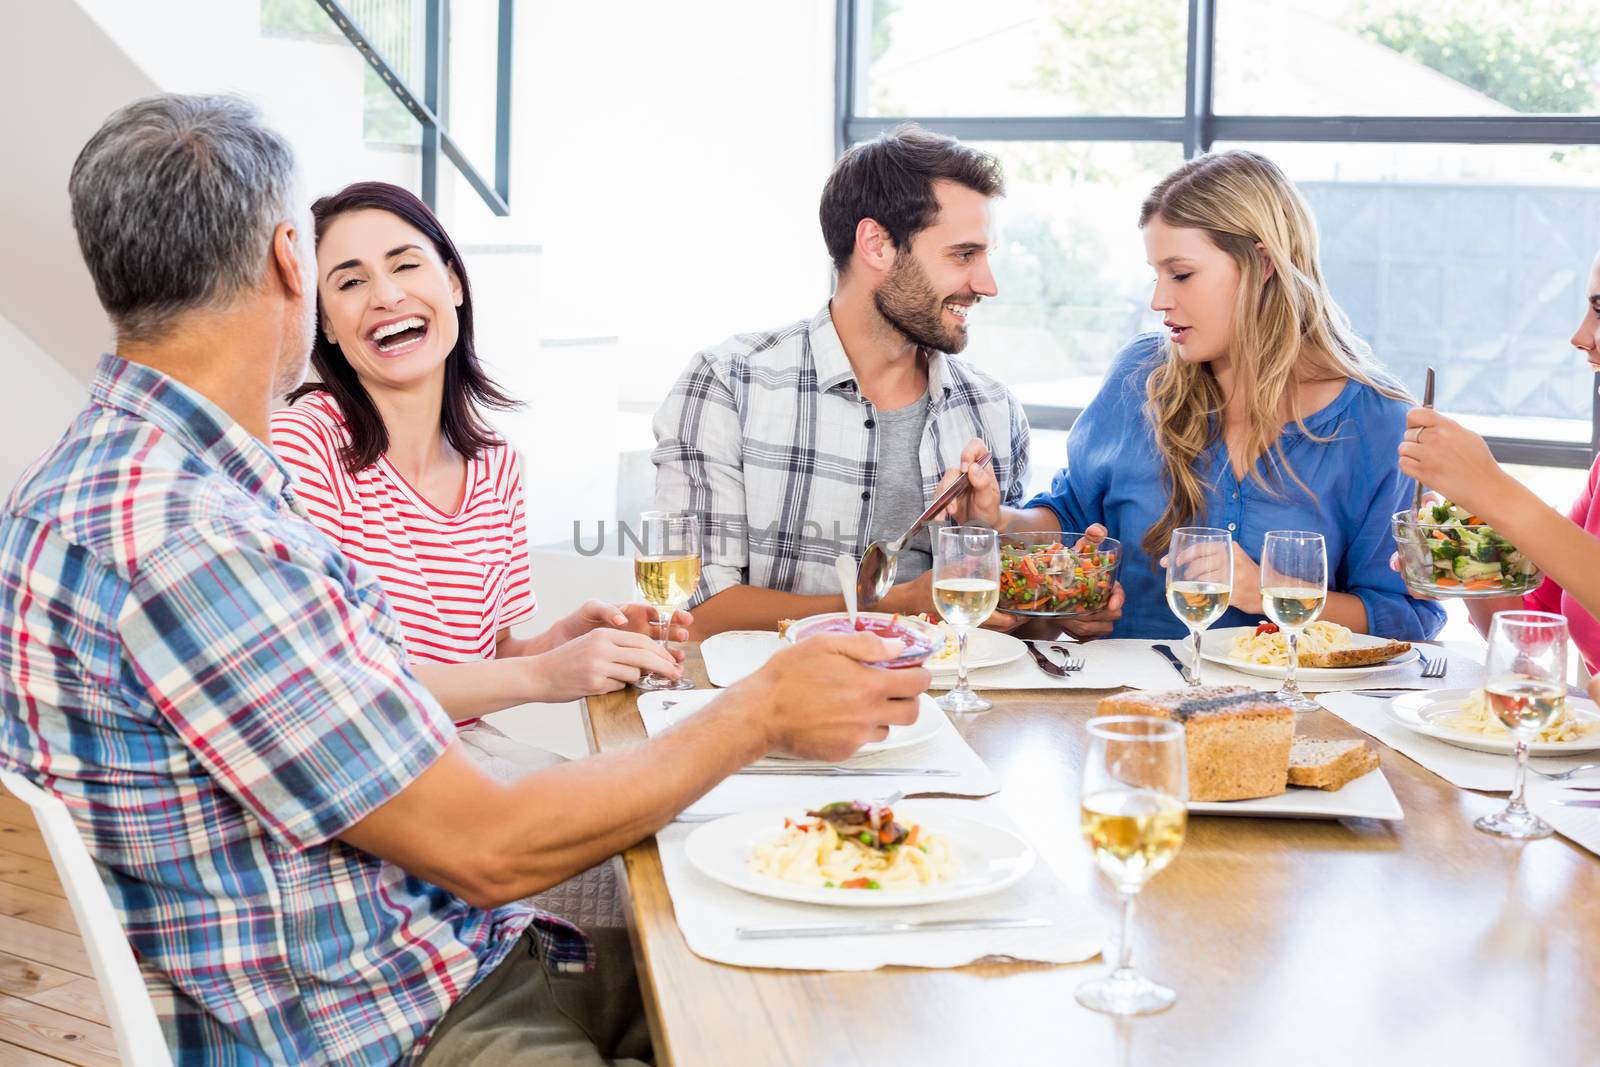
x: 666, y: 581
x: 1292, y: 607
x: 1134, y: 833
x: 1197, y: 603
x: 1525, y: 704
x: 966, y: 601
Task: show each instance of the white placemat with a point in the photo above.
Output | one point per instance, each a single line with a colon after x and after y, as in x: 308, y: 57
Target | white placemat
x: 1487, y: 771
x: 946, y: 749
x: 1579, y: 825
x: 709, y: 912
x: 1112, y: 664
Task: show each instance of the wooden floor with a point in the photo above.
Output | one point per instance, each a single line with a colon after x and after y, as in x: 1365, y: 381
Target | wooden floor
x: 50, y: 1007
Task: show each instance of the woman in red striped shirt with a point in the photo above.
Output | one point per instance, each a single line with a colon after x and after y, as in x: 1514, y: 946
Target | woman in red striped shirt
x: 393, y: 460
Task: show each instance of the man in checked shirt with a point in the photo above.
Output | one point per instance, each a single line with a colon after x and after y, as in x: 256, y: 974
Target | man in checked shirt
x: 797, y: 445
x: 283, y: 817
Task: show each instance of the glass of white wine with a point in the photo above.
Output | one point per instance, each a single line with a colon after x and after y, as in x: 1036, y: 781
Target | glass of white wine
x: 1527, y: 687
x: 666, y: 568
x: 1199, y: 581
x: 966, y: 588
x: 1294, y: 586
x: 1135, y: 788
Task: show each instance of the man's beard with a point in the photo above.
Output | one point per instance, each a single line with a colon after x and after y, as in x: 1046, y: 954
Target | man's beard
x: 296, y: 353
x: 908, y: 302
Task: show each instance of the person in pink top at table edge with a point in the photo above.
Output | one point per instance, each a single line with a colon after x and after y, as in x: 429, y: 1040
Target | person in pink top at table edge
x: 395, y: 463
x: 1455, y: 462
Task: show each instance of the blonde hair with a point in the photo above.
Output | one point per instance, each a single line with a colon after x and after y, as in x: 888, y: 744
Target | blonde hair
x: 1241, y: 200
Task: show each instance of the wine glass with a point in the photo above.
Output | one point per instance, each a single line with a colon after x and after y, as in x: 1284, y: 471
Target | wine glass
x: 1527, y: 687
x: 1199, y: 581
x: 1294, y: 585
x: 1135, y: 787
x: 966, y: 588
x: 666, y: 568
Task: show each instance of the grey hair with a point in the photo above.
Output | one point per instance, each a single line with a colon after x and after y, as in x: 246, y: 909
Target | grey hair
x: 175, y: 199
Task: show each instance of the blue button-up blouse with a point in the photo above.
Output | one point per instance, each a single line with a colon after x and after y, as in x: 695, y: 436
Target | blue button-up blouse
x: 1114, y: 476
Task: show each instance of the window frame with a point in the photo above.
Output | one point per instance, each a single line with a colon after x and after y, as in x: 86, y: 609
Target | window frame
x: 1197, y: 130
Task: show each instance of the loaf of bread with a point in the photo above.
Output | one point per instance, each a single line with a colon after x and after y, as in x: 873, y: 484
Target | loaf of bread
x: 1237, y: 738
x: 1329, y: 764
x: 1355, y: 657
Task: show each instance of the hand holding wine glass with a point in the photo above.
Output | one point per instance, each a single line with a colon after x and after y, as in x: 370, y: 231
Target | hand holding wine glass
x: 1199, y: 579
x: 966, y: 588
x: 1527, y: 686
x: 666, y: 568
x: 1133, y: 814
x: 1294, y: 586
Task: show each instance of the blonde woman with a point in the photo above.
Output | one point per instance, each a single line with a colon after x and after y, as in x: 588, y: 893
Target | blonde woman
x: 1259, y: 409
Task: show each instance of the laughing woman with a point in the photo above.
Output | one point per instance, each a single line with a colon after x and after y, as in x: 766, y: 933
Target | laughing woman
x: 395, y: 462
x: 1259, y: 409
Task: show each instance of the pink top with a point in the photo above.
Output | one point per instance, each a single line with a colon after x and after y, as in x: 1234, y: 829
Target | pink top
x: 1583, y: 627
x: 453, y: 580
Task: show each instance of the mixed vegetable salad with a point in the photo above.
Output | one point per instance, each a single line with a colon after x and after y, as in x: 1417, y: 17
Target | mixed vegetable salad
x: 1050, y: 579
x: 1468, y: 554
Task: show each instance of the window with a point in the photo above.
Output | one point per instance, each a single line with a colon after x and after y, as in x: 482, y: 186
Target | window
x: 1451, y: 153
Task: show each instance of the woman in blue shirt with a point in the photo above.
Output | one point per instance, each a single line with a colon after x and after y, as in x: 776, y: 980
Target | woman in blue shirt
x: 1258, y: 410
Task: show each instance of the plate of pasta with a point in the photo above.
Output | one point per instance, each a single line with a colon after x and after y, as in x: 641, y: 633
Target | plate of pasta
x: 1462, y: 717
x: 857, y: 854
x: 1341, y: 652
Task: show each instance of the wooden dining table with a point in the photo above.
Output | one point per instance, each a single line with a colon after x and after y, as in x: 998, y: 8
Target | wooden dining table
x: 1289, y: 941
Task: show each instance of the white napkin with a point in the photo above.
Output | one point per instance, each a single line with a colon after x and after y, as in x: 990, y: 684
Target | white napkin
x: 708, y: 913
x: 1114, y: 663
x: 945, y: 750
x: 1578, y: 825
x: 1487, y: 771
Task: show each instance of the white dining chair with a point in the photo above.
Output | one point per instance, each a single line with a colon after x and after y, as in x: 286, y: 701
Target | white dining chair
x: 133, y: 1019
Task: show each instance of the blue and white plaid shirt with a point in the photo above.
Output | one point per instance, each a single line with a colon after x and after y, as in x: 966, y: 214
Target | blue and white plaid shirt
x: 217, y: 693
x: 767, y: 438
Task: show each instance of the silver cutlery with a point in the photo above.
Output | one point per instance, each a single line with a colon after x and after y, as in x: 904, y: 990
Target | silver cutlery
x: 1172, y: 658
x: 1069, y: 662
x: 889, y: 926
x: 1044, y: 663
x: 1584, y: 788
x: 1435, y: 667
x: 835, y: 771
x: 701, y: 816
x: 876, y: 573
x: 1561, y: 776
x: 1585, y: 802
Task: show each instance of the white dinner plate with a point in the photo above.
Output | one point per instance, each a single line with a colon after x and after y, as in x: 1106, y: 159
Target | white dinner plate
x: 1420, y: 712
x: 991, y: 858
x: 734, y: 654
x: 1215, y: 645
x: 985, y: 648
x: 1367, y: 797
x: 667, y: 708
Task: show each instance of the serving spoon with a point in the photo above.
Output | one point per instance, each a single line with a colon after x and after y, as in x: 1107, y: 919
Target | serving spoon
x: 876, y: 573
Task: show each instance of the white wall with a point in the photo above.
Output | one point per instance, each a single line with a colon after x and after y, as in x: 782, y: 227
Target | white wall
x: 38, y: 399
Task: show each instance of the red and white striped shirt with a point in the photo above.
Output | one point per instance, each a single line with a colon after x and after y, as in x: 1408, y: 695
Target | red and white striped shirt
x: 453, y: 580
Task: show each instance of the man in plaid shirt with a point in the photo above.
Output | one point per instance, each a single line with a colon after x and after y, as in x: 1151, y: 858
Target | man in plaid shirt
x: 803, y: 443
x: 292, y: 836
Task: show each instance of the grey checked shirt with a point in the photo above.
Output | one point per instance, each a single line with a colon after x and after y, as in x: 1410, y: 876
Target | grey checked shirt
x: 766, y: 438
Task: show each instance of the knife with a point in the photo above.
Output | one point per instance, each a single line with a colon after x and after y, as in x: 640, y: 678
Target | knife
x: 1583, y: 802
x: 852, y: 772
x: 911, y: 926
x: 1172, y: 658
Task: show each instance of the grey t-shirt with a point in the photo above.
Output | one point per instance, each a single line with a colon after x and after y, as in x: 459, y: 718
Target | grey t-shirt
x: 899, y: 497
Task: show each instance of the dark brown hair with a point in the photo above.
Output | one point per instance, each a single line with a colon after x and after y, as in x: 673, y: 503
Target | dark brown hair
x: 467, y: 387
x: 889, y: 179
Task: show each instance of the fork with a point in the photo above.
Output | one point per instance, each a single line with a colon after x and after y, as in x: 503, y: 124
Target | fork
x: 1561, y: 776
x: 1069, y: 663
x: 1435, y: 667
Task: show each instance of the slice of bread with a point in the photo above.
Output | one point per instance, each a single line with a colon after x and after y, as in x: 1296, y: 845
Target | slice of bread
x: 1356, y: 657
x: 1329, y: 764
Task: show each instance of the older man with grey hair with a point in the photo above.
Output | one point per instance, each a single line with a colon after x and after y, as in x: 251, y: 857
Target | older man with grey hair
x: 293, y: 838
